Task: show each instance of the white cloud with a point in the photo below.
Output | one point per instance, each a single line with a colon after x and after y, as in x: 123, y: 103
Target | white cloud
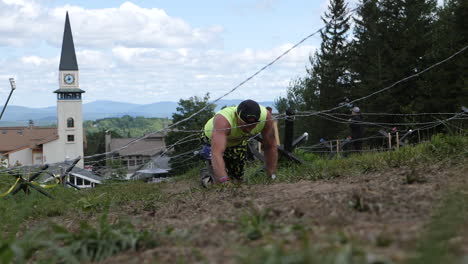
x: 26, y: 21
x: 134, y: 54
x: 146, y: 75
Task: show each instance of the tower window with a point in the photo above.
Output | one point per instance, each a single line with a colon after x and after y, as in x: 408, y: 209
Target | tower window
x: 70, y: 138
x: 70, y: 122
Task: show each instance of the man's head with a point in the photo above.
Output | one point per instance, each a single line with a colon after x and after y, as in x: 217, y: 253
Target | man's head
x: 248, y: 112
x: 355, y: 110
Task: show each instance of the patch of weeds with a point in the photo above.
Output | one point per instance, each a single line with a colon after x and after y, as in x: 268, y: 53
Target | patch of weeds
x: 362, y: 202
x: 358, y: 203
x: 449, y: 218
x: 413, y: 176
x: 443, y: 145
x: 96, y: 244
x: 91, y: 203
x: 59, y: 245
x: 150, y: 206
x: 383, y: 240
x: 305, y: 252
x: 254, y: 223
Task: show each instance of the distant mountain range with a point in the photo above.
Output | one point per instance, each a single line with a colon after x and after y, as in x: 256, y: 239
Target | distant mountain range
x: 20, y: 115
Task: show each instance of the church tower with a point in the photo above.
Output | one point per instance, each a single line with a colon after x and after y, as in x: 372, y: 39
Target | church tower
x: 69, y: 104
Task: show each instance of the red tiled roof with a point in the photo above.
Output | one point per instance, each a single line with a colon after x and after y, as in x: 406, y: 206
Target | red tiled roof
x: 147, y: 147
x: 13, y: 138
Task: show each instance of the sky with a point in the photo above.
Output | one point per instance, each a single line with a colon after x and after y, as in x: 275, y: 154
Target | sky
x: 147, y: 51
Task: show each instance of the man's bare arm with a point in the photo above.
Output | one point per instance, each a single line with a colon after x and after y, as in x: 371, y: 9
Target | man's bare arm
x: 218, y: 145
x: 269, y: 141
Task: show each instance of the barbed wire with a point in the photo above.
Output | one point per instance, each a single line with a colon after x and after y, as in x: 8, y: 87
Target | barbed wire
x: 271, y: 63
x: 169, y: 128
x: 387, y: 114
x: 234, y: 88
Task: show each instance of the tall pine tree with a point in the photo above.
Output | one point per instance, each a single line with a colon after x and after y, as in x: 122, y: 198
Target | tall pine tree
x: 330, y: 69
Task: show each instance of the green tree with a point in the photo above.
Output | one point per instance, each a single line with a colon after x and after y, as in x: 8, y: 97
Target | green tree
x: 449, y: 82
x: 327, y: 80
x: 126, y: 126
x: 183, y: 141
x: 393, y: 39
x: 331, y: 68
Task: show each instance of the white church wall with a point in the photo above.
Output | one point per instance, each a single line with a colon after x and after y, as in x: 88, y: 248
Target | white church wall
x: 52, y: 152
x: 22, y: 157
x: 71, y: 109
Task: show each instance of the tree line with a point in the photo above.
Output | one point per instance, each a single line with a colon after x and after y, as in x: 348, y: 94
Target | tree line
x: 383, y: 42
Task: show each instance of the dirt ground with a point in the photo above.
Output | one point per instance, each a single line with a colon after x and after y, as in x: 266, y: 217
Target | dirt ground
x: 382, y: 212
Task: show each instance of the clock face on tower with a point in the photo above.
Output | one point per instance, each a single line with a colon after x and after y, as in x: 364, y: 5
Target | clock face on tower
x: 69, y: 78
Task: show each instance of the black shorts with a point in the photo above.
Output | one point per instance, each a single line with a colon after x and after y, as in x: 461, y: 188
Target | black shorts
x: 234, y: 159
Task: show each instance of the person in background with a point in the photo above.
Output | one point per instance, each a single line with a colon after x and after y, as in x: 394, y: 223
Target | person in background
x: 355, y: 124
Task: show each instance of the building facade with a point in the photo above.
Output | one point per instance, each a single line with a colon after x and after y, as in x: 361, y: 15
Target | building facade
x: 33, y: 145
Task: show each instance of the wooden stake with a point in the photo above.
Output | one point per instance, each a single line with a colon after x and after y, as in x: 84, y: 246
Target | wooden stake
x: 275, y: 128
x: 337, y: 146
x: 397, y: 141
x: 389, y: 141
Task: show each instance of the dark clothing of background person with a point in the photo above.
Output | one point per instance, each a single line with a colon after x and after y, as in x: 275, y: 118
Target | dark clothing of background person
x: 356, y: 131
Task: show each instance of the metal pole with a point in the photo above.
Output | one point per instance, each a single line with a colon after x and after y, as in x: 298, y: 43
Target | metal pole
x: 4, y: 107
x: 13, y: 87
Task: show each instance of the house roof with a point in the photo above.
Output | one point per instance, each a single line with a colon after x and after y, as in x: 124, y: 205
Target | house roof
x: 76, y: 171
x: 13, y: 138
x: 146, y: 147
x: 158, y: 164
x: 68, y: 57
x: 69, y: 90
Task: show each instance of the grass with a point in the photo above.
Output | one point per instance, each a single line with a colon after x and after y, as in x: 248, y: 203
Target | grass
x: 56, y: 244
x: 338, y: 249
x: 440, y: 149
x: 447, y: 223
x: 29, y: 235
x: 19, y: 208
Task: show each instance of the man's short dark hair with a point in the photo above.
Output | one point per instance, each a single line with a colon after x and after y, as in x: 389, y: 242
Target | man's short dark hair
x: 249, y: 111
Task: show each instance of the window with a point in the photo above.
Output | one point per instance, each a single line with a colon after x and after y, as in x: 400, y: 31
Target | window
x: 70, y: 122
x: 71, y: 138
x: 139, y: 162
x: 131, y: 163
x: 79, y: 181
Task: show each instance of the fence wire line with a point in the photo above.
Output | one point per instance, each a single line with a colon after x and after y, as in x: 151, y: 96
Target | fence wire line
x: 235, y: 88
x: 387, y: 114
x: 271, y: 63
x: 346, y: 121
x: 186, y: 139
x: 196, y: 133
x: 163, y: 149
x: 268, y: 65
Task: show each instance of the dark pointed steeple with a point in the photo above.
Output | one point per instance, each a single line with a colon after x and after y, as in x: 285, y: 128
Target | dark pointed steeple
x: 68, y: 57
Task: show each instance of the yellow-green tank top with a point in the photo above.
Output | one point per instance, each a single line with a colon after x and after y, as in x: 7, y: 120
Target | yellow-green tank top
x: 237, y: 136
